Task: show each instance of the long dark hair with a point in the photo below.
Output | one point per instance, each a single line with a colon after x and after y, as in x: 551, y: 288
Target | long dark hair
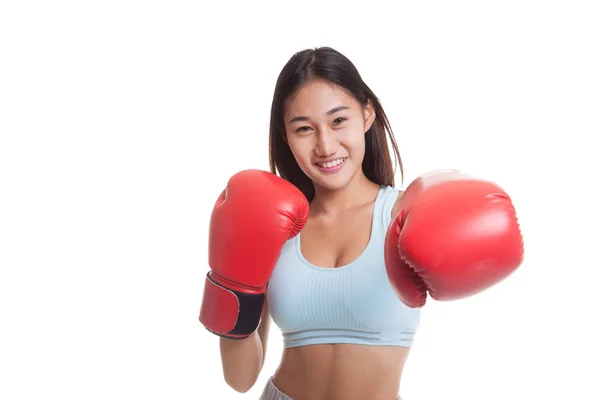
x: 328, y: 64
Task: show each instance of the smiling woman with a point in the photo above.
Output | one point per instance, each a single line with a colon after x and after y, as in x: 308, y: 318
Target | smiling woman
x: 346, y: 334
x: 338, y: 257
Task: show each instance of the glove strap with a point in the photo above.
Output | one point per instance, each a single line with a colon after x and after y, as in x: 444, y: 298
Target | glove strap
x: 230, y: 313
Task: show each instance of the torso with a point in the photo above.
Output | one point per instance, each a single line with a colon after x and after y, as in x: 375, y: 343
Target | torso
x: 340, y: 371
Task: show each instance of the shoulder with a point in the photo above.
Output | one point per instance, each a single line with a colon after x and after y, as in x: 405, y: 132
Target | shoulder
x: 396, y: 206
x: 390, y: 202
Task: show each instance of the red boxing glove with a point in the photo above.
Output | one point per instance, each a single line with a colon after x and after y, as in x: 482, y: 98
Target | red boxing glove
x: 251, y: 221
x: 454, y: 236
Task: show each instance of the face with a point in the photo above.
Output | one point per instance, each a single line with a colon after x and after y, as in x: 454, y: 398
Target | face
x: 325, y: 128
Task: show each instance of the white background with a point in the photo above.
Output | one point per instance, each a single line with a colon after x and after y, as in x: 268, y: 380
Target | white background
x: 121, y: 121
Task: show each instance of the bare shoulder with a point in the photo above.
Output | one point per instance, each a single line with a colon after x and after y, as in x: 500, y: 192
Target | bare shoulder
x: 396, y: 206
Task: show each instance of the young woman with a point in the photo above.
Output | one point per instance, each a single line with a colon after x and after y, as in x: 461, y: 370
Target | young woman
x: 346, y: 333
x: 309, y: 247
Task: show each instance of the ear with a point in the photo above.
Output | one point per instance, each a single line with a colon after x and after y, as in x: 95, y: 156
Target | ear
x: 369, y: 112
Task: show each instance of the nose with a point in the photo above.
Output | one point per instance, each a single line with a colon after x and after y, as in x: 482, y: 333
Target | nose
x: 326, y: 143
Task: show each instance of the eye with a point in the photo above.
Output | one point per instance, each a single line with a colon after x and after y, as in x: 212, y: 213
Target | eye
x: 302, y: 129
x: 338, y: 121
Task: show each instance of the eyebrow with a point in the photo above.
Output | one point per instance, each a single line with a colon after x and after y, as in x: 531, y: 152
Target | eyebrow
x: 332, y: 111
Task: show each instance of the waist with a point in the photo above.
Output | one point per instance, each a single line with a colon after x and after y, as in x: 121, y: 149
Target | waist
x: 341, y: 371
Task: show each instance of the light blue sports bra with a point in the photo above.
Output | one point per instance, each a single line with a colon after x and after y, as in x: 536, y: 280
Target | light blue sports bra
x: 354, y: 303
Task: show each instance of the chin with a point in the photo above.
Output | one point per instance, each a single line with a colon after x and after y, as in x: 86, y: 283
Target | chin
x: 328, y: 185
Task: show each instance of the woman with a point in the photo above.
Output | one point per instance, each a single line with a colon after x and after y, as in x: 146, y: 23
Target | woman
x: 346, y: 334
x: 314, y: 248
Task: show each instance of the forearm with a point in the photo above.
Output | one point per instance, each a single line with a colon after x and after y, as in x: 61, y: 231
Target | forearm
x: 242, y: 361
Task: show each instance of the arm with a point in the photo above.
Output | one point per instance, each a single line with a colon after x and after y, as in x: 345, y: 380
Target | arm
x: 250, y: 223
x: 243, y: 359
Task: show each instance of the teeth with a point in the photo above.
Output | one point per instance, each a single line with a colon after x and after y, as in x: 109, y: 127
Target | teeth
x: 331, y: 164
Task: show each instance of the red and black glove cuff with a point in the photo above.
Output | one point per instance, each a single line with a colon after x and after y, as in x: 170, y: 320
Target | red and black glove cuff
x: 227, y: 312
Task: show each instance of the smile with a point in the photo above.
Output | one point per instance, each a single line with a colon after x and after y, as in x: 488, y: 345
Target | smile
x: 332, y: 165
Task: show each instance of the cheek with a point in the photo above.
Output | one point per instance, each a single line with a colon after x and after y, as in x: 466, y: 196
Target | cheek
x: 299, y: 149
x: 356, y: 142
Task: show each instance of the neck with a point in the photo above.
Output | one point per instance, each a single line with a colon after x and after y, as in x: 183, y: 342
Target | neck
x: 358, y: 192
